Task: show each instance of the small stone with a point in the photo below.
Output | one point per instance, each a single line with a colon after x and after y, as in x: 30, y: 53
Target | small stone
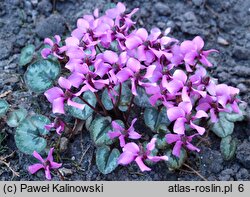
x: 162, y: 9
x: 34, y: 2
x: 243, y: 154
x: 222, y: 41
x: 198, y: 2
x: 53, y: 25
x: 64, y: 144
x: 65, y: 171
x: 44, y: 7
x: 226, y: 174
x: 242, y: 175
x: 6, y: 48
x: 241, y: 53
x: 243, y: 88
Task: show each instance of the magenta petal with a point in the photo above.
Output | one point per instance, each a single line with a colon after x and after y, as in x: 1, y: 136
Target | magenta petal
x: 47, y: 173
x: 199, y: 129
x: 126, y: 158
x: 151, y: 145
x: 58, y: 105
x: 114, y: 134
x: 134, y: 65
x: 48, y: 41
x: 75, y: 104
x: 171, y: 138
x: 173, y: 86
x: 179, y: 126
x: 180, y: 75
x: 34, y: 168
x: 55, y: 165
x: 50, y: 155
x: 132, y: 148
x: 198, y: 42
x: 157, y: 158
x: 201, y: 114
x: 142, y: 33
x: 53, y: 93
x: 64, y: 83
x: 134, y: 135
x: 214, y: 117
x: 141, y: 165
x: 186, y: 106
x: 46, y: 52
x: 110, y: 57
x: 177, y: 148
x: 124, y: 74
x: 192, y: 147
x: 132, y: 42
x: 116, y: 126
x: 122, y: 140
x: 38, y: 156
x: 174, y: 113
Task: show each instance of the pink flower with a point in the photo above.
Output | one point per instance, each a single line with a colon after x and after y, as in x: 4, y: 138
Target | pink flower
x: 46, y: 164
x: 54, y: 49
x: 132, y: 152
x: 182, y: 115
x: 121, y: 133
x: 57, y: 97
x: 181, y: 140
x: 58, y: 124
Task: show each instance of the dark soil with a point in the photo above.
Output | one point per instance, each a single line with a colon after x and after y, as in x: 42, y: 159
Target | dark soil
x: 224, y: 25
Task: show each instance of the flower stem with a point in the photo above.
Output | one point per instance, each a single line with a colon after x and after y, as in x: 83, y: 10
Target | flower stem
x: 129, y: 108
x: 100, y: 103
x: 119, y: 96
x: 87, y: 103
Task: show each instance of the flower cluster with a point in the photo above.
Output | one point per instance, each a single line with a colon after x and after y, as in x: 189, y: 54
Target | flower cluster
x: 108, y: 50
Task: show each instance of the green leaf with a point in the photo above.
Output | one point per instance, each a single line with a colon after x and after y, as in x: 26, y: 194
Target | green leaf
x: 41, y: 75
x: 156, y: 120
x: 223, y: 127
x: 29, y: 134
x: 16, y: 117
x: 26, y: 55
x: 88, y: 122
x: 106, y: 159
x: 175, y: 162
x: 161, y: 142
x: 228, y: 147
x: 87, y: 111
x: 124, y: 100
x: 99, y: 129
x: 4, y: 106
x: 142, y: 99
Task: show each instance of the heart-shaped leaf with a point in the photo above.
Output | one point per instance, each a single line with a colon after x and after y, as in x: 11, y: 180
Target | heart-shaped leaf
x: 156, y: 120
x: 87, y: 111
x: 88, y: 122
x: 228, y: 147
x: 161, y: 142
x: 4, y: 106
x: 26, y: 55
x: 124, y: 99
x: 41, y: 75
x: 142, y: 99
x: 175, y: 162
x: 16, y: 117
x: 29, y: 134
x: 106, y: 159
x: 99, y: 129
x: 223, y: 127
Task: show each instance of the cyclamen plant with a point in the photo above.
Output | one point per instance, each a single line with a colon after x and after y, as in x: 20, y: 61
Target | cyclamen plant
x: 110, y: 72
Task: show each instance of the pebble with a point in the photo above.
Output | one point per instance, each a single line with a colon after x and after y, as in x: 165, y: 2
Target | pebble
x: 44, y: 7
x: 243, y: 154
x: 242, y: 175
x: 64, y: 144
x: 6, y: 48
x: 198, y: 2
x: 241, y: 53
x: 65, y: 171
x: 243, y: 88
x: 53, y: 25
x: 162, y: 9
x: 222, y: 41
